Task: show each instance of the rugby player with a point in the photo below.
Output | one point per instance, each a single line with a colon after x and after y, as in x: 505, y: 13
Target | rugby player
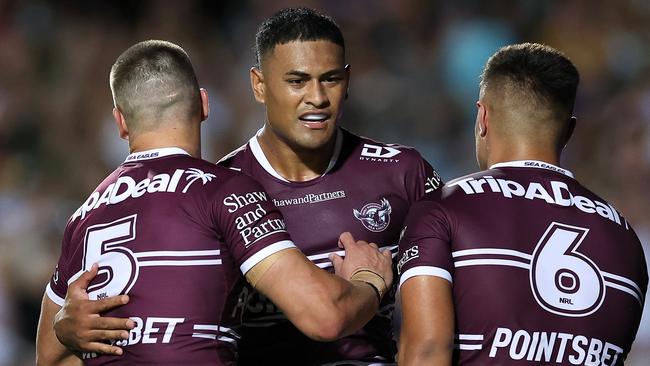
x: 176, y: 233
x: 323, y: 178
x: 520, y: 263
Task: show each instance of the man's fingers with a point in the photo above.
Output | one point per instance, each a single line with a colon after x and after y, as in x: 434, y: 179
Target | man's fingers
x: 345, y: 239
x: 103, y: 348
x: 112, y: 323
x: 107, y: 335
x: 374, y: 245
x: 100, y: 306
x: 387, y: 253
x: 336, y: 261
x: 84, y: 280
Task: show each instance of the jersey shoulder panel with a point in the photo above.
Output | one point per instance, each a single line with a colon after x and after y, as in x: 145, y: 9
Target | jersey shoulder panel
x: 236, y: 158
x: 401, y: 162
x: 222, y: 169
x: 455, y: 187
x: 448, y: 195
x: 424, y: 248
x: 93, y: 198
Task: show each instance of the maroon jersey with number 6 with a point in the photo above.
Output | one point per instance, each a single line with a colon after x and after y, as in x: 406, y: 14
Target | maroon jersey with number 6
x: 366, y: 190
x: 176, y: 234
x: 543, y: 270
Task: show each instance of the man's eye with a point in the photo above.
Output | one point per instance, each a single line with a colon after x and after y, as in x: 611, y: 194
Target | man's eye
x: 295, y: 81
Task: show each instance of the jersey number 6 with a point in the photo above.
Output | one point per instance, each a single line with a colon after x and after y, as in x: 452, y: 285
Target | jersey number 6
x: 564, y: 281
x: 118, y: 268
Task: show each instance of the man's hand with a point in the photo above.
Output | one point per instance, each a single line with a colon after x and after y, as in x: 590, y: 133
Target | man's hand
x: 362, y: 255
x: 79, y: 326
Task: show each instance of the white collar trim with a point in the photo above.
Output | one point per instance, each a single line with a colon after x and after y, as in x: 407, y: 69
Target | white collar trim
x: 256, y: 149
x: 533, y: 164
x: 155, y: 153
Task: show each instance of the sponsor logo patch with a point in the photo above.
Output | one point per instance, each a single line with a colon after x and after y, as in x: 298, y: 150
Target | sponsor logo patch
x: 432, y: 183
x: 408, y: 255
x: 126, y: 187
x: 309, y: 198
x: 252, y: 221
x: 374, y: 216
x: 557, y: 193
x: 547, y: 347
x: 384, y: 154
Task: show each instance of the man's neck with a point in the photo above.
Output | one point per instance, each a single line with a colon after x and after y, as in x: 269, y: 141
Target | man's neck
x: 514, y: 152
x: 292, y: 163
x: 188, y: 141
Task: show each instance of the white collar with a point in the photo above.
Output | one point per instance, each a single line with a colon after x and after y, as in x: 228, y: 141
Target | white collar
x: 155, y: 153
x: 256, y: 149
x: 533, y: 164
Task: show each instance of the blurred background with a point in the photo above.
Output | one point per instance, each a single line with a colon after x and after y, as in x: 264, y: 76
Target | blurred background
x: 415, y: 67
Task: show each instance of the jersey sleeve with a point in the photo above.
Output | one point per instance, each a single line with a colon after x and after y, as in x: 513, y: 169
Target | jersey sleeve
x: 253, y: 228
x: 423, y: 180
x: 425, y: 246
x: 58, y: 285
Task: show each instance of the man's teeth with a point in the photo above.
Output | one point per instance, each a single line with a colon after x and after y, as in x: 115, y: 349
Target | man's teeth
x: 314, y: 117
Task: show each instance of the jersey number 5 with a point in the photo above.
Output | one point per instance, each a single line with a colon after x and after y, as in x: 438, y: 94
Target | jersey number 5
x: 118, y: 269
x: 564, y: 281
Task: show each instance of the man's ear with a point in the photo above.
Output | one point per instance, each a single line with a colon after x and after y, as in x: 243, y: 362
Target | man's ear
x: 257, y: 83
x: 482, y: 119
x: 121, y: 123
x: 205, y: 104
x: 569, y: 131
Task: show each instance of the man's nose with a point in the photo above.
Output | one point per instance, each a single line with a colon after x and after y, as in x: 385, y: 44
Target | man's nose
x: 316, y: 94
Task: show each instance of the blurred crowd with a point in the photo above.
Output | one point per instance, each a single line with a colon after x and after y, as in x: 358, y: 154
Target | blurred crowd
x: 415, y: 67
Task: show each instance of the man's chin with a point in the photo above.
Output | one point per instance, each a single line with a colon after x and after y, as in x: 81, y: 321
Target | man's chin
x: 315, y: 140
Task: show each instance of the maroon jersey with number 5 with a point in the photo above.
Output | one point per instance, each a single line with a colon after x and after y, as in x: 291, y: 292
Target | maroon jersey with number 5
x: 176, y: 234
x: 543, y: 270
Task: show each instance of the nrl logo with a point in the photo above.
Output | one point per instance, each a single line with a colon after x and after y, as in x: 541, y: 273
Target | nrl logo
x: 374, y: 216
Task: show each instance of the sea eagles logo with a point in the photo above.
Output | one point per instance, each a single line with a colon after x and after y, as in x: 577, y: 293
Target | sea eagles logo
x: 374, y: 216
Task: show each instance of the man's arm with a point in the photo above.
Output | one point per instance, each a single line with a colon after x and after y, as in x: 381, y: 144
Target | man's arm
x: 48, y: 349
x: 427, y: 336
x: 78, y: 324
x: 325, y: 306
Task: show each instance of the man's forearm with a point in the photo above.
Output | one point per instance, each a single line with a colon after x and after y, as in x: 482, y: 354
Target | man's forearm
x: 49, y: 351
x: 416, y: 353
x: 428, y: 322
x: 323, y: 306
x: 359, y: 304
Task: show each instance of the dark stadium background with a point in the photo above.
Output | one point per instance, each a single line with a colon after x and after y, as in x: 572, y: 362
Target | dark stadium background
x: 415, y: 67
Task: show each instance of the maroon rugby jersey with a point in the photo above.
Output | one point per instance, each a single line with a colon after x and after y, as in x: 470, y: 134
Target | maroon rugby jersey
x: 367, y: 190
x: 543, y: 270
x: 175, y: 233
